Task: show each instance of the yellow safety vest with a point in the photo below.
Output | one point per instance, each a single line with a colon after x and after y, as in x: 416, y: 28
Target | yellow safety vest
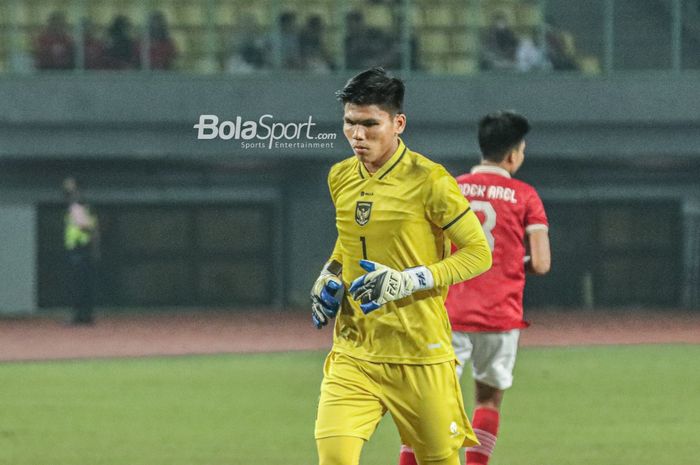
x: 76, y: 237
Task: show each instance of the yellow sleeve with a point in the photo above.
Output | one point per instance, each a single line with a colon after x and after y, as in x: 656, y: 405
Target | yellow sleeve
x: 331, y: 180
x: 472, y: 257
x: 448, y: 209
x: 337, y: 255
x: 444, y: 202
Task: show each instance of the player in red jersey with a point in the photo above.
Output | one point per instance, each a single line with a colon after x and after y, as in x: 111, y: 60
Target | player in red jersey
x: 486, y: 312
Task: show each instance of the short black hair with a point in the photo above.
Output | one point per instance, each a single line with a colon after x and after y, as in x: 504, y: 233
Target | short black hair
x: 500, y: 132
x: 374, y: 87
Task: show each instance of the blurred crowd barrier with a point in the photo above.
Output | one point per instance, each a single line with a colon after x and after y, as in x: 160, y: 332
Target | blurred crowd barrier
x: 453, y: 37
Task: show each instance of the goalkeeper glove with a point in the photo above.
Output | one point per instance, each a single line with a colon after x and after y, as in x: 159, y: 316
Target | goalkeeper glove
x: 326, y: 294
x: 383, y: 284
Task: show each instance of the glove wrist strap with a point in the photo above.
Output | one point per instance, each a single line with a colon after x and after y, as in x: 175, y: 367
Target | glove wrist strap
x: 422, y: 278
x: 333, y: 267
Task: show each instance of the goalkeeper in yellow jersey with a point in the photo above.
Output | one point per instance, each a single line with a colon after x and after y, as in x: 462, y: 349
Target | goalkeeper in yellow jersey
x: 397, y: 214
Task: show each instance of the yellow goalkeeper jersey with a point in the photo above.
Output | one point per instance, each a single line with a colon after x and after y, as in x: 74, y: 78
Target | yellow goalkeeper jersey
x: 399, y: 216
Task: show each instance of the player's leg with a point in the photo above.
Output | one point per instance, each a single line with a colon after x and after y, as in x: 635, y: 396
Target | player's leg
x: 406, y: 456
x: 426, y: 405
x: 494, y: 357
x: 349, y: 409
x: 463, y: 350
x: 451, y: 460
x: 339, y: 450
x: 485, y: 422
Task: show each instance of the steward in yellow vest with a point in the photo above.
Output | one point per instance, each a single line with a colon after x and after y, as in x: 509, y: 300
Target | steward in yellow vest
x: 81, y: 242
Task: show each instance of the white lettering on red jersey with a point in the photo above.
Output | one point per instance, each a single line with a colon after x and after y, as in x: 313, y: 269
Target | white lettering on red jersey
x: 508, y: 209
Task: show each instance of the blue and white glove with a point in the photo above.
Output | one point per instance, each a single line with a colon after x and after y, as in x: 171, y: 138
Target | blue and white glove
x: 383, y: 284
x: 326, y: 295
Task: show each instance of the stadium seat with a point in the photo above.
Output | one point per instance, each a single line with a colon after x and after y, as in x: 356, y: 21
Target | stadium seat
x: 224, y: 13
x: 34, y: 13
x: 589, y: 65
x: 457, y: 43
x: 440, y: 15
x: 379, y: 16
x: 435, y: 42
x: 490, y: 7
x: 103, y: 12
x: 463, y: 66
x: 190, y: 13
x: 472, y: 43
x: 528, y: 15
x: 433, y: 63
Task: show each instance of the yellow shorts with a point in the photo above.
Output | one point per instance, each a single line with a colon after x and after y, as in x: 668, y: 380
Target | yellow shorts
x: 425, y: 402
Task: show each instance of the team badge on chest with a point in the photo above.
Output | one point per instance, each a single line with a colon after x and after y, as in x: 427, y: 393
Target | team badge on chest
x: 362, y: 212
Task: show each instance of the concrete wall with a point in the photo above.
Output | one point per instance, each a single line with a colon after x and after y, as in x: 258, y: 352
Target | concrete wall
x: 17, y: 258
x: 143, y: 116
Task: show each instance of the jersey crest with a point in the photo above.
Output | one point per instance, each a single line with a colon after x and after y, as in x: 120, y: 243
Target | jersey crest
x: 362, y: 212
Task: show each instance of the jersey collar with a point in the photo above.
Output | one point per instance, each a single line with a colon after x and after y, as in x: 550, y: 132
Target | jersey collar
x: 488, y: 169
x: 390, y: 164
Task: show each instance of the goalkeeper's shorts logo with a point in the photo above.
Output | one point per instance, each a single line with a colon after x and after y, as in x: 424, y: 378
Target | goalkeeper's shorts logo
x: 362, y: 212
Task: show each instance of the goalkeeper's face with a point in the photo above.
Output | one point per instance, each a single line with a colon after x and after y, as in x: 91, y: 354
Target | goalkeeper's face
x: 372, y: 133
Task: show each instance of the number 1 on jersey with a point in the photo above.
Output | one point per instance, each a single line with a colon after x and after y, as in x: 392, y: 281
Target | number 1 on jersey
x: 364, y: 247
x: 489, y: 219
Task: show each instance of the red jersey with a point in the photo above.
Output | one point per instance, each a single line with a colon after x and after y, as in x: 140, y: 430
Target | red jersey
x: 507, y: 209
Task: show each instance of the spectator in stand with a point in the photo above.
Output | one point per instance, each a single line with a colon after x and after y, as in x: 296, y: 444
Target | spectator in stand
x: 561, y: 49
x: 498, y: 45
x: 248, y: 50
x: 313, y: 53
x: 367, y: 47
x: 530, y: 56
x: 94, y: 47
x: 121, y: 51
x: 357, y: 41
x: 289, y: 41
x: 162, y: 53
x: 55, y: 48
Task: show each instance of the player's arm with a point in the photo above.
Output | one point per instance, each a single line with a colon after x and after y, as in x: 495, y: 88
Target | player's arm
x: 472, y: 257
x: 539, y: 259
x: 446, y: 207
x: 383, y: 284
x: 328, y: 289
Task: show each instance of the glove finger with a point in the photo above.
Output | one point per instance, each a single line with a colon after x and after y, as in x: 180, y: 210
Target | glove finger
x: 315, y: 321
x: 356, y: 284
x: 318, y: 315
x: 363, y: 295
x: 328, y: 311
x: 368, y: 265
x: 329, y: 300
x: 369, y: 307
x: 332, y: 287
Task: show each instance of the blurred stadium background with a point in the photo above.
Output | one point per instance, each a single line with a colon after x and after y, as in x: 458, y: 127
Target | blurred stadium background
x: 108, y: 91
x: 611, y: 87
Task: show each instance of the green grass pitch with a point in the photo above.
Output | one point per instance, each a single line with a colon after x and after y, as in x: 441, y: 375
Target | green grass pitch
x: 620, y: 405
